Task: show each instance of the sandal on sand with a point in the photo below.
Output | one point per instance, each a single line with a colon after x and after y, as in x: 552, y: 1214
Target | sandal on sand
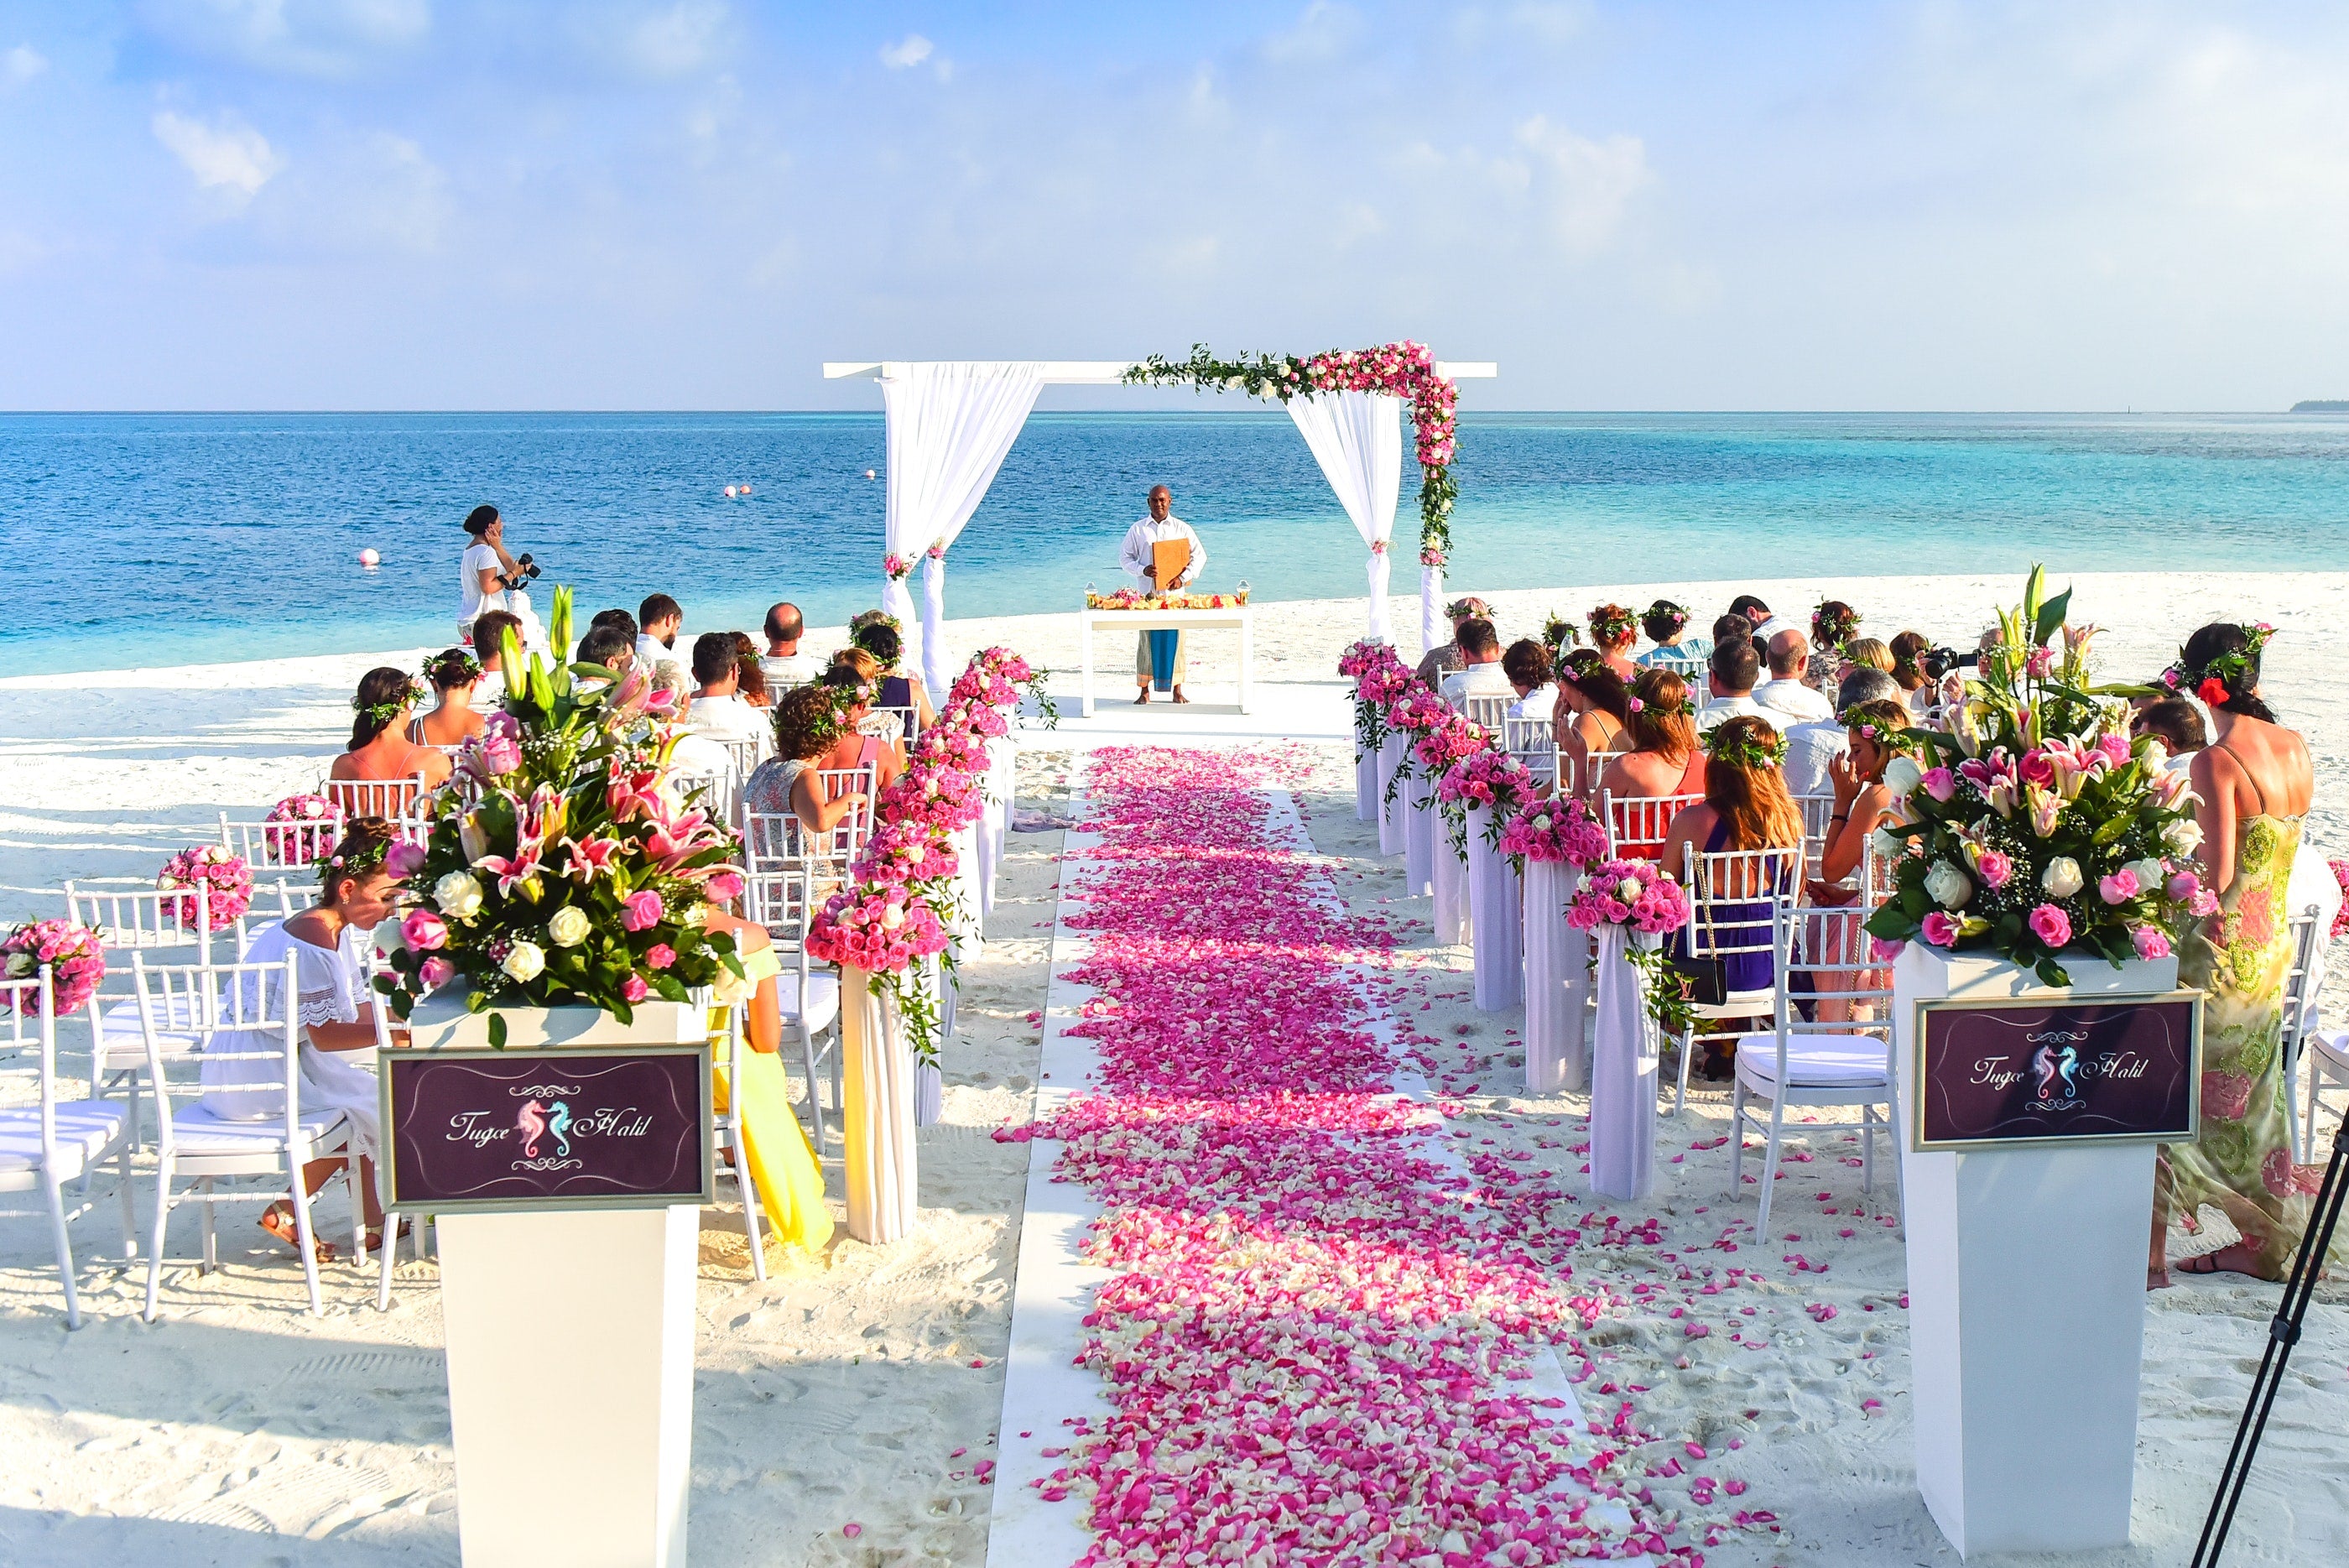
x: 375, y: 1236
x: 278, y: 1221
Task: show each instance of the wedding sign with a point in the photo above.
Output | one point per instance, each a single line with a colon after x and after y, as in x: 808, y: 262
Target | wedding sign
x: 467, y: 1130
x: 2115, y: 1070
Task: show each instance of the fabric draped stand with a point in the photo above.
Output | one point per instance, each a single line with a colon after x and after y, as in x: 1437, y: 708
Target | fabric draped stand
x: 877, y: 1122
x: 1390, y: 796
x: 1493, y: 916
x: 1001, y: 782
x: 1623, y: 1068
x: 1434, y: 631
x: 1557, y: 981
x: 1455, y: 922
x: 1366, y: 783
x: 1357, y: 438
x: 1421, y: 828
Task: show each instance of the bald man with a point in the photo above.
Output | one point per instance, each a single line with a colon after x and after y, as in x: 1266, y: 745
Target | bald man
x: 1158, y: 658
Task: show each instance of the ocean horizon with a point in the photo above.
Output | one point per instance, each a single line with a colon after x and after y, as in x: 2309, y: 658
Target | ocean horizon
x: 163, y: 538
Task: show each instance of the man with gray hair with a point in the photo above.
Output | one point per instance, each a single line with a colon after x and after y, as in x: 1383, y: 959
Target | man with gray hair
x: 1810, y: 747
x: 1785, y: 696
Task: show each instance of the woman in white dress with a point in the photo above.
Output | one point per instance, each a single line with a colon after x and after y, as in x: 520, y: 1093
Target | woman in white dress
x: 333, y: 1013
x: 486, y: 571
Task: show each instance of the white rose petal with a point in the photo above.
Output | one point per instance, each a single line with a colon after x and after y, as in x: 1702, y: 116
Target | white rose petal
x: 1948, y: 886
x: 525, y: 961
x: 1901, y: 774
x: 459, y: 894
x: 2061, y: 879
x: 569, y: 926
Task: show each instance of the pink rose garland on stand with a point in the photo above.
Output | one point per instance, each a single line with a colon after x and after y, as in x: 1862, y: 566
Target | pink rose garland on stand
x: 1557, y: 831
x: 1637, y: 896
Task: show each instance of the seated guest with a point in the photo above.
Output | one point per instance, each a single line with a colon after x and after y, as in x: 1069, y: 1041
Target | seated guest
x: 749, y: 677
x: 1663, y: 622
x: 1790, y: 702
x: 1765, y: 622
x: 2177, y: 724
x: 1480, y: 673
x: 1729, y: 626
x: 1613, y: 630
x: 1867, y: 653
x: 876, y: 720
x: 1730, y: 679
x: 1908, y: 670
x: 611, y: 645
x: 807, y: 723
x: 380, y: 748
x: 785, y: 665
x: 1593, y: 707
x: 1810, y: 747
x: 657, y: 619
x: 878, y: 635
x: 1664, y: 759
x: 856, y: 747
x: 453, y: 675
x: 1863, y: 802
x: 489, y: 647
x: 619, y: 618
x: 1438, y: 663
x: 1527, y: 664
x: 717, y: 710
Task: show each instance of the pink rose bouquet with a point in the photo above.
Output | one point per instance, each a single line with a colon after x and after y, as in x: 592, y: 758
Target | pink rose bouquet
x: 314, y: 824
x: 227, y: 882
x: 76, y: 960
x: 1556, y: 831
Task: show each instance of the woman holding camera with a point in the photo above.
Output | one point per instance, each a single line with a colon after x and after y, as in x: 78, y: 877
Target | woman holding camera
x: 487, y: 571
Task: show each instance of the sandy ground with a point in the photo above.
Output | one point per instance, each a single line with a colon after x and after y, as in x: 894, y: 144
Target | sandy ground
x: 241, y: 1431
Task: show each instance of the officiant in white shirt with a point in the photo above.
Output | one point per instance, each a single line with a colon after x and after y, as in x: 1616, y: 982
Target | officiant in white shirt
x: 1158, y: 657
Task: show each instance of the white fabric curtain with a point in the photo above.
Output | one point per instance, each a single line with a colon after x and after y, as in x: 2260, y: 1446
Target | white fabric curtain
x: 950, y: 426
x: 1357, y: 438
x: 1433, y: 631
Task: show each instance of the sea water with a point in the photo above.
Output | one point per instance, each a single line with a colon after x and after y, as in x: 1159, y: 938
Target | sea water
x: 146, y: 539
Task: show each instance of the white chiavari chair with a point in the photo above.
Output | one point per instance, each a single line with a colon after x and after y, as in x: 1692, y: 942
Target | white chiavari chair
x: 716, y: 793
x: 784, y: 867
x: 1491, y: 712
x: 727, y: 1050
x: 846, y: 841
x: 393, y: 799
x: 1818, y: 826
x: 281, y: 845
x: 46, y: 1141
x: 2302, y: 1037
x: 250, y: 1017
x: 1689, y: 666
x: 1533, y: 742
x: 143, y: 920
x: 1637, y: 825
x: 1731, y: 924
x: 743, y: 755
x: 904, y: 724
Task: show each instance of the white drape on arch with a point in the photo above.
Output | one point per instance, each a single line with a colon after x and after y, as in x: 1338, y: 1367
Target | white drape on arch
x: 948, y: 427
x: 1357, y: 438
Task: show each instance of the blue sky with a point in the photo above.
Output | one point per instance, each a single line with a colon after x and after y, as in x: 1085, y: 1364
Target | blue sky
x: 689, y: 204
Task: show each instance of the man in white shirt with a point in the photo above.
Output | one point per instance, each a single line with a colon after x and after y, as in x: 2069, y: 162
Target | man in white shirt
x: 1784, y: 694
x: 1480, y: 673
x: 1810, y: 747
x: 717, y: 710
x: 489, y: 647
x: 657, y: 619
x: 784, y: 665
x: 1767, y: 623
x: 1731, y: 679
x: 1158, y: 656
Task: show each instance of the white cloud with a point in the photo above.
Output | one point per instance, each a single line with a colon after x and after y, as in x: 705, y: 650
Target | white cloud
x: 682, y: 38
x: 1587, y: 184
x: 907, y: 52
x: 322, y: 38
x: 21, y: 64
x: 1322, y: 33
x: 226, y: 155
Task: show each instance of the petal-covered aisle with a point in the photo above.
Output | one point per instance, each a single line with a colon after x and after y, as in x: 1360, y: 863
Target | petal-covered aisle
x: 1326, y: 1335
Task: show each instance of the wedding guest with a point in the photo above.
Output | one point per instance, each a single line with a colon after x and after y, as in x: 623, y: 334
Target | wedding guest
x: 1613, y: 630
x: 785, y: 665
x: 1527, y: 664
x: 485, y: 570
x: 489, y: 647
x: 1863, y: 802
x: 1833, y: 624
x: 807, y: 723
x: 1765, y: 622
x: 2176, y: 723
x: 1867, y: 653
x: 657, y: 620
x: 1663, y: 622
x: 454, y: 677
x: 1438, y: 663
x: 716, y: 710
x: 1480, y: 673
x: 1730, y: 680
x: 850, y: 686
x: 379, y: 749
x: 1811, y: 747
x: 1732, y: 625
x: 1909, y: 669
x: 335, y: 1012
x: 750, y: 675
x: 901, y: 687
x: 1783, y: 695
x: 611, y: 645
x: 1593, y: 707
x: 1158, y: 657
x: 1664, y: 759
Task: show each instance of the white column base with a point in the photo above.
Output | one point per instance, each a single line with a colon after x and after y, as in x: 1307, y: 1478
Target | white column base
x: 1391, y: 756
x: 1422, y: 829
x: 1494, y: 913
x: 570, y: 1351
x: 877, y: 1121
x: 1557, y: 983
x: 1366, y: 786
x: 1453, y: 923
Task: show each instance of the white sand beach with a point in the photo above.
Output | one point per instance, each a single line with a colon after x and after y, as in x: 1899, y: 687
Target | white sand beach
x: 863, y: 1387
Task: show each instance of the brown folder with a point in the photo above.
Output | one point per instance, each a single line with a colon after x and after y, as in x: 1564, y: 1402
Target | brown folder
x: 1173, y: 558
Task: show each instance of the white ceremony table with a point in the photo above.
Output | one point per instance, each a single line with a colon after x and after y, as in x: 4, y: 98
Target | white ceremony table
x: 1238, y: 617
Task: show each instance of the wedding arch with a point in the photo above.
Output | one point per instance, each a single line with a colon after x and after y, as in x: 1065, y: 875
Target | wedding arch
x: 950, y: 424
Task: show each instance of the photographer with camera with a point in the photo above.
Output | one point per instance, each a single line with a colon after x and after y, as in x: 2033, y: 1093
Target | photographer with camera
x: 491, y: 579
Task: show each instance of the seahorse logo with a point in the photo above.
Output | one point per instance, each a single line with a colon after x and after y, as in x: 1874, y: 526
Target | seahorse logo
x: 558, y: 1121
x: 2068, y: 1067
x: 531, y: 1124
x: 2042, y: 1061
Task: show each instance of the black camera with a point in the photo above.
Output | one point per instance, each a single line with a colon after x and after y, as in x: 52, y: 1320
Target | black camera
x: 525, y: 570
x: 1937, y: 662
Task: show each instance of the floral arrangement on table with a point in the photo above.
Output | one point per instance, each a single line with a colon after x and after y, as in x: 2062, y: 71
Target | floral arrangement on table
x: 1557, y: 832
x: 226, y: 880
x: 1636, y: 896
x: 1489, y: 777
x: 576, y: 874
x: 899, y: 904
x: 315, y: 824
x: 2034, y: 826
x: 75, y: 957
x: 1135, y: 599
x: 1404, y: 369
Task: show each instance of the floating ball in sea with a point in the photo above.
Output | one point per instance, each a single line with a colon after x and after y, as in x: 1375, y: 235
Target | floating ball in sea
x: 729, y: 493
x: 746, y: 490
x: 369, y: 559
x: 870, y: 474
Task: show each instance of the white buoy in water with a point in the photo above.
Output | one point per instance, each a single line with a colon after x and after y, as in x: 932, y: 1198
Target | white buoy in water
x: 729, y: 493
x: 870, y: 474
x: 369, y: 559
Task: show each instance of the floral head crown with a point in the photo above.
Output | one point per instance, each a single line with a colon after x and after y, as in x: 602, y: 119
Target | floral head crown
x: 364, y: 846
x: 1744, y: 749
x: 1832, y: 623
x: 1861, y: 718
x: 458, y: 667
x: 1612, y: 623
x: 2214, y: 682
x: 1559, y: 634
x: 1665, y: 611
x: 1685, y: 708
x: 1460, y: 609
x: 874, y: 618
x: 385, y: 711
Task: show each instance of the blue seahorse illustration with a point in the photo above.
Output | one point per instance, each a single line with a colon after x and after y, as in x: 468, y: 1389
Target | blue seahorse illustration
x: 532, y: 1126
x: 2069, y: 1066
x: 558, y: 1121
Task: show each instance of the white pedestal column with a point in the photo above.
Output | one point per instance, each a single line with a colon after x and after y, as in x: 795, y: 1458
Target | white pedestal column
x: 878, y: 1120
x: 1493, y: 911
x: 1623, y: 1069
x: 597, y: 1301
x: 1557, y: 983
x: 1453, y: 924
x: 2026, y: 1300
x: 1366, y: 784
x: 1391, y: 808
x: 1422, y: 829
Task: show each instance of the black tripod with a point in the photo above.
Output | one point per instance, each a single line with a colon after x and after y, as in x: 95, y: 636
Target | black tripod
x: 2283, y: 1335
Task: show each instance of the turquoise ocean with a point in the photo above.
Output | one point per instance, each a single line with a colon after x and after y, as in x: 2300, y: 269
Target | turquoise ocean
x: 148, y: 539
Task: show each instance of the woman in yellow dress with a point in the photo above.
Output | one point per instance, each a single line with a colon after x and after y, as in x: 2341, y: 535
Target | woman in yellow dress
x: 783, y: 1167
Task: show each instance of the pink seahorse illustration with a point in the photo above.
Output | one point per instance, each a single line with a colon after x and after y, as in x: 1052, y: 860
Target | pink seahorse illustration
x: 533, y: 1125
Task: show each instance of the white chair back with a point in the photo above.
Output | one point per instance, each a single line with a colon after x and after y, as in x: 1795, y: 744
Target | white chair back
x: 257, y: 999
x: 28, y: 1060
x: 1491, y: 712
x: 847, y: 841
x: 908, y: 720
x: 1637, y: 825
x: 1533, y: 742
x: 1818, y: 825
x: 717, y: 792
x: 1732, y: 895
x: 146, y: 920
x: 744, y: 754
x: 1689, y: 667
x: 280, y: 846
x: 2298, y: 1014
x: 391, y: 798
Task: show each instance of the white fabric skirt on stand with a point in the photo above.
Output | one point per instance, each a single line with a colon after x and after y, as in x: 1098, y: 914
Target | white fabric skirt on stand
x: 1420, y: 829
x: 1390, y: 805
x: 1623, y: 1061
x: 1001, y: 770
x: 877, y: 1121
x: 1453, y: 924
x: 1366, y: 784
x: 1557, y: 983
x: 1494, y: 914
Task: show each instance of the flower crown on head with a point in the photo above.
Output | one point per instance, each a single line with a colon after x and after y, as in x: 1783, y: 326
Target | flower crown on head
x: 1459, y: 609
x: 2214, y: 682
x: 385, y: 711
x: 874, y: 618
x: 1611, y: 623
x: 456, y: 663
x: 1558, y: 634
x: 1745, y: 748
x: 1665, y: 611
x: 1685, y: 708
x: 1857, y: 719
x: 374, y: 836
x: 1834, y: 628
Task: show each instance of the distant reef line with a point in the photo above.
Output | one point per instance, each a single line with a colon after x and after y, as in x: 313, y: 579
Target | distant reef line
x: 2322, y: 406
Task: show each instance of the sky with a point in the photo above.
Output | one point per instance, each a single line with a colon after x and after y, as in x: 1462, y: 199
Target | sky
x: 691, y: 203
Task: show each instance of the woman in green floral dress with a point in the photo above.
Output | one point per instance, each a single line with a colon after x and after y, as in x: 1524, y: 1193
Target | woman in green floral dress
x: 2255, y: 783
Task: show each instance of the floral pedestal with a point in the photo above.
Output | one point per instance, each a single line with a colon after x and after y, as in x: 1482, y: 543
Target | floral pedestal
x: 878, y: 1119
x: 1366, y: 783
x: 1495, y: 915
x: 1391, y: 804
x: 1557, y: 981
x: 1624, y: 1057
x: 1421, y: 832
x: 1453, y: 924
